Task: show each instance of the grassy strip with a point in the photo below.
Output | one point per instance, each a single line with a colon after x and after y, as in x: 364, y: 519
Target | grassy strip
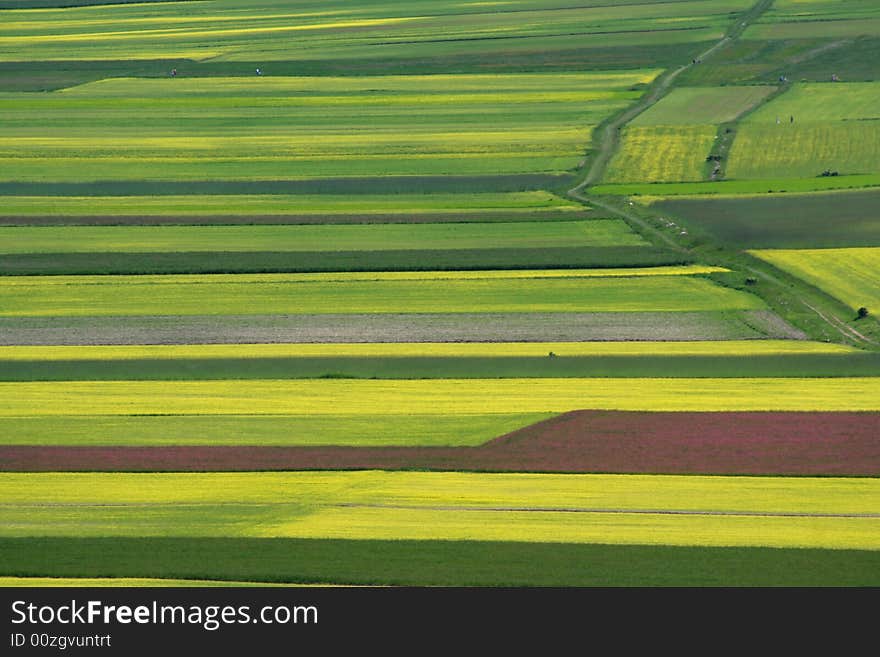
x: 338, y: 261
x: 92, y: 582
x: 450, y: 563
x: 436, y: 396
x: 398, y: 292
x: 423, y: 349
x: 463, y: 217
x: 768, y: 186
x: 414, y: 367
x: 349, y: 185
x: 370, y: 430
x: 239, y: 205
x: 322, y: 238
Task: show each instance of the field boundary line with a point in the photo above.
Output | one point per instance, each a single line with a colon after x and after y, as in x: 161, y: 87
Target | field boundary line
x: 672, y: 512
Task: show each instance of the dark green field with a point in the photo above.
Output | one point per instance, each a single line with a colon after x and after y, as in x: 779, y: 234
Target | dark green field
x: 338, y: 261
x: 435, y: 563
x: 403, y: 367
x: 791, y: 221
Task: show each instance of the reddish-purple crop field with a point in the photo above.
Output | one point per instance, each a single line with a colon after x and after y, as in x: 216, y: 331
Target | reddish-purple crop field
x: 762, y: 443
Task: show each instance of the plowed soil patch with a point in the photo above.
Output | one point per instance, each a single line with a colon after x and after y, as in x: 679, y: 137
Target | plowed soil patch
x: 762, y: 443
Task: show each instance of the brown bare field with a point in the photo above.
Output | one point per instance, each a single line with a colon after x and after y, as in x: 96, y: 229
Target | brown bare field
x: 736, y: 443
x: 423, y: 327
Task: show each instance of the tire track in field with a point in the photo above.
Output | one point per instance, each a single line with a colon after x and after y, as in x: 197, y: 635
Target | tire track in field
x: 612, y: 511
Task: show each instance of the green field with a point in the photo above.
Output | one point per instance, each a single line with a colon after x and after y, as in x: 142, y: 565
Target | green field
x: 202, y: 129
x: 328, y: 397
x: 553, y: 291
x: 822, y: 103
x: 422, y: 349
x: 743, y: 187
x: 272, y: 32
x: 243, y: 205
x: 802, y: 150
x: 784, y: 221
x: 77, y: 582
x: 368, y: 430
x: 365, y: 237
x: 661, y: 154
x: 847, y: 274
x: 449, y: 563
x: 809, y: 129
x: 753, y: 358
x: 618, y: 509
x: 702, y: 105
x: 412, y: 259
x: 796, y: 19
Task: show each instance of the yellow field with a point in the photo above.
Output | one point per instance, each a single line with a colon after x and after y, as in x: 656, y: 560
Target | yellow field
x: 195, y: 279
x: 445, y: 349
x: 434, y: 397
x: 566, y: 527
x: 661, y: 154
x: 850, y: 275
x: 91, y: 582
x: 641, y: 509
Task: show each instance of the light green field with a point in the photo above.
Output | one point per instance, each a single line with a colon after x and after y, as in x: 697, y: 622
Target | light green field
x: 803, y: 19
x: 438, y: 349
x: 661, y: 154
x: 702, y: 105
x: 721, y: 188
x: 563, y: 291
x: 361, y: 237
x: 329, y: 397
x: 282, y: 204
x: 368, y: 430
x: 273, y: 30
x: 637, y: 509
x: 802, y: 150
x: 822, y: 102
x: 850, y: 275
x: 280, y: 128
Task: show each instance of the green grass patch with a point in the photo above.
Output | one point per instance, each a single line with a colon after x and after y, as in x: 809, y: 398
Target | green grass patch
x: 427, y: 563
x: 702, y: 105
x: 428, y: 292
x: 821, y: 103
x: 243, y: 205
x: 339, y: 261
x: 786, y: 221
x: 752, y: 187
x: 375, y: 237
x: 440, y: 367
x: 269, y: 33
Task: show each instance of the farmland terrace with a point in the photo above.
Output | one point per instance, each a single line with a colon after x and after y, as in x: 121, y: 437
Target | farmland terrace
x: 439, y: 293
